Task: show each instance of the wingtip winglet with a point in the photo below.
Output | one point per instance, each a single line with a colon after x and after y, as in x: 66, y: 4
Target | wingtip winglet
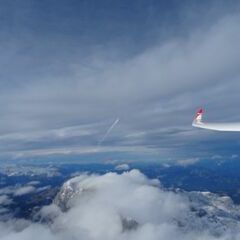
x: 198, y: 117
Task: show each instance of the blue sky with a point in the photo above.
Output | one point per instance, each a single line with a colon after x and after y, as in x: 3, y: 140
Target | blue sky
x: 69, y: 69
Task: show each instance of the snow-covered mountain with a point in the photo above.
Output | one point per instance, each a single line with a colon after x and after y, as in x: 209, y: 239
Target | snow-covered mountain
x: 196, y: 212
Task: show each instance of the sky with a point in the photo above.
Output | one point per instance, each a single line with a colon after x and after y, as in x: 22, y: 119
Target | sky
x: 70, y: 69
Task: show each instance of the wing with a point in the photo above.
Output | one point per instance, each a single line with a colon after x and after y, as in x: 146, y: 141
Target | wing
x: 228, y: 127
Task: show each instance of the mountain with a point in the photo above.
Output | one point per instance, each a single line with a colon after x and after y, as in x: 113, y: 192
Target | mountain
x: 205, y: 212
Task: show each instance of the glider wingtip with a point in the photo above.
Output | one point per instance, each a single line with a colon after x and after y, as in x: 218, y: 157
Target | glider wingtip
x: 198, y: 117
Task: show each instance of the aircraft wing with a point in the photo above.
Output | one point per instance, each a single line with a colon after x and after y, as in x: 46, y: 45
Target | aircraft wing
x: 229, y: 127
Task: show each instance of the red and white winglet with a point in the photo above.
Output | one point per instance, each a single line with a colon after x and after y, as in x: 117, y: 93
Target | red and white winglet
x: 228, y: 127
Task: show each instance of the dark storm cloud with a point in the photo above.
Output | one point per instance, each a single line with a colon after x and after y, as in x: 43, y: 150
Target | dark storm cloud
x: 69, y: 70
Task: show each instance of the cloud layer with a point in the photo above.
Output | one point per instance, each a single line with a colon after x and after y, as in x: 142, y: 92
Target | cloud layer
x: 61, y: 98
x: 128, y: 206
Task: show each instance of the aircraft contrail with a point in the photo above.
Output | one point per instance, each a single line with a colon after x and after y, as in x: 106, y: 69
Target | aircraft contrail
x: 108, y: 131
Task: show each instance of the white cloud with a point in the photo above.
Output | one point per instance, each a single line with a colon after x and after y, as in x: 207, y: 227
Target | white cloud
x: 7, y: 190
x: 187, y: 162
x: 216, y: 156
x: 5, y: 200
x: 234, y: 156
x: 34, y: 183
x: 24, y: 190
x: 16, y: 190
x: 129, y: 206
x: 40, y: 189
x: 147, y: 91
x: 122, y: 167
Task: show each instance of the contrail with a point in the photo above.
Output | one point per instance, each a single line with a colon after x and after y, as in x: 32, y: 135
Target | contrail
x: 108, y: 131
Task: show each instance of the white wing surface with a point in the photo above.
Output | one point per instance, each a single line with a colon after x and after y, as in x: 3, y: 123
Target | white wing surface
x: 229, y: 127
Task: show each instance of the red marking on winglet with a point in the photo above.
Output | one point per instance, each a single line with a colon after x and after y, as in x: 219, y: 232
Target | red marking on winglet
x: 199, y: 113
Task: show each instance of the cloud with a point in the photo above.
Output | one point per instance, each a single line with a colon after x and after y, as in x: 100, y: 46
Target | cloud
x: 122, y: 167
x: 234, y: 156
x: 214, y: 157
x: 7, y: 190
x: 5, y: 200
x: 34, y: 183
x: 16, y: 190
x: 24, y: 190
x: 67, y: 100
x: 40, y: 189
x: 187, y: 162
x: 128, y: 206
x: 29, y: 170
